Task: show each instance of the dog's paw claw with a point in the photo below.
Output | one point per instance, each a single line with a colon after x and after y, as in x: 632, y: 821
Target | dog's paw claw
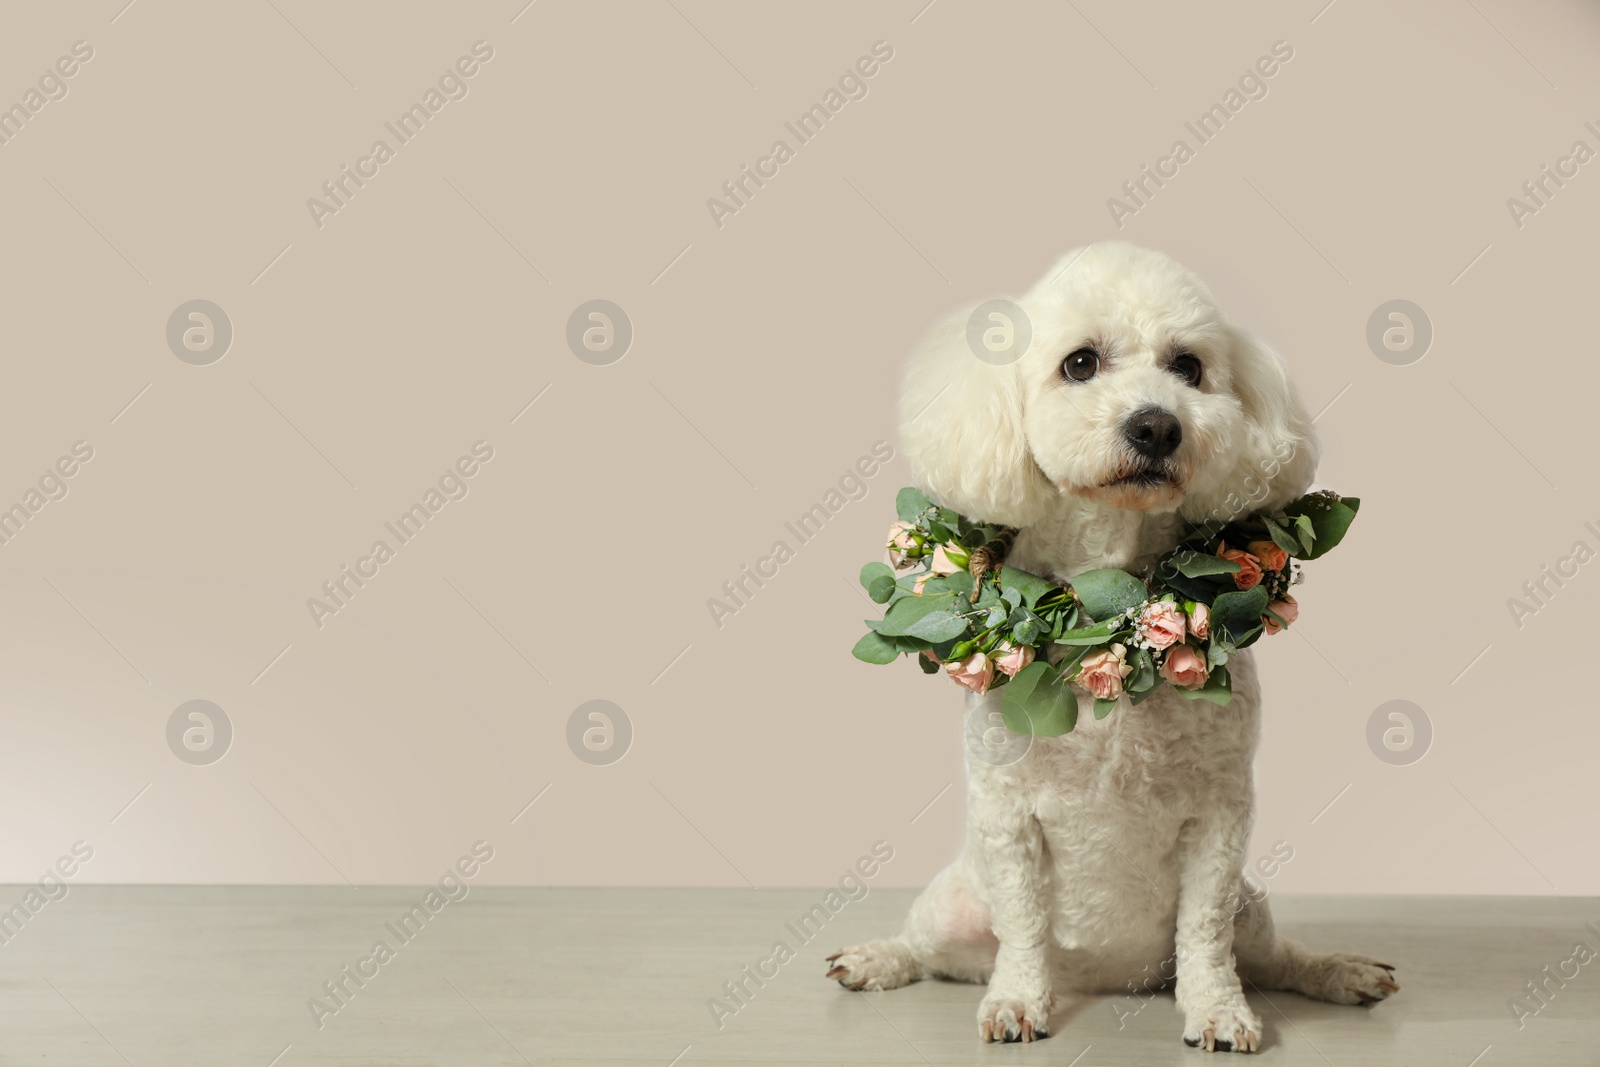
x: 1225, y: 1028
x: 1003, y: 1018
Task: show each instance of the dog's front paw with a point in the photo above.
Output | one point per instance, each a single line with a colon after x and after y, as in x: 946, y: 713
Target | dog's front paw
x: 1228, y: 1027
x: 1007, y: 1017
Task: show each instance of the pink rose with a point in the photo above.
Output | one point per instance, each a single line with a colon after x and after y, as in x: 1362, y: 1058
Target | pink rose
x: 1011, y: 660
x: 1161, y: 624
x: 1184, y: 667
x: 1200, y: 622
x: 1101, y: 673
x: 1249, y: 574
x: 943, y: 564
x: 1271, y: 556
x: 975, y: 673
x: 900, y: 543
x: 1287, y: 609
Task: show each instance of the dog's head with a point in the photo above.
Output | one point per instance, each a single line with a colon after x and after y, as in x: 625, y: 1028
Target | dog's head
x: 1134, y: 392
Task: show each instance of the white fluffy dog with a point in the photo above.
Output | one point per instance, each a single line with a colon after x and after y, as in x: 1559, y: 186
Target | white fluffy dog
x: 1110, y: 858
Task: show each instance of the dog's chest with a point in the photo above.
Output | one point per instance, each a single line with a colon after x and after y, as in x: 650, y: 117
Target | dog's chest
x: 1111, y: 799
x: 1166, y: 752
x: 1149, y: 765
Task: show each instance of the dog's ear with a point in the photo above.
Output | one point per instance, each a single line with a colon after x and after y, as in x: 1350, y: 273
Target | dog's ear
x: 1277, y: 457
x: 961, y: 428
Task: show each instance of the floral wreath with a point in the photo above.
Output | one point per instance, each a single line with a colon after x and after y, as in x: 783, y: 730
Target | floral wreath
x: 953, y: 605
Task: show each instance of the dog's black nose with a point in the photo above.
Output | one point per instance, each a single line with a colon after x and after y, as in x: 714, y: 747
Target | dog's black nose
x: 1153, y: 432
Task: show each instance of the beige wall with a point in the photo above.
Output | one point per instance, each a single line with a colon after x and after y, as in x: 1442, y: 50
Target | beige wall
x: 427, y: 313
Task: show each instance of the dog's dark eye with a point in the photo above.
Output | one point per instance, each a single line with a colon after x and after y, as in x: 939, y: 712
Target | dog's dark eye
x: 1081, y: 365
x: 1188, y: 368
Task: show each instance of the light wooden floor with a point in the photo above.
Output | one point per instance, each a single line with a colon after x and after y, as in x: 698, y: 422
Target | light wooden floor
x: 221, y: 976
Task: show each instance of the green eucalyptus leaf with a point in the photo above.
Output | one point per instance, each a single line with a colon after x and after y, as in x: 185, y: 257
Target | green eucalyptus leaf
x: 871, y: 572
x: 1101, y: 633
x: 903, y: 614
x: 1102, y: 708
x: 875, y: 648
x: 1232, y: 614
x: 1038, y: 702
x: 960, y: 583
x: 909, y: 504
x: 1193, y: 564
x: 1030, y: 586
x: 1283, y: 539
x: 941, y: 625
x: 1307, y: 534
x: 1059, y: 623
x: 1053, y: 711
x: 1014, y: 700
x: 1330, y: 519
x: 1203, y: 590
x: 1108, y: 592
x: 1144, y: 676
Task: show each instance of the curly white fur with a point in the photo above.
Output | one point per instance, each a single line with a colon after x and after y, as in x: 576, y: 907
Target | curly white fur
x: 1116, y: 852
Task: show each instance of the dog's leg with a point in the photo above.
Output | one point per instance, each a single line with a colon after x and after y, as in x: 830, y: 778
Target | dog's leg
x: 1216, y: 1016
x: 947, y: 935
x: 1272, y: 962
x: 1009, y: 847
